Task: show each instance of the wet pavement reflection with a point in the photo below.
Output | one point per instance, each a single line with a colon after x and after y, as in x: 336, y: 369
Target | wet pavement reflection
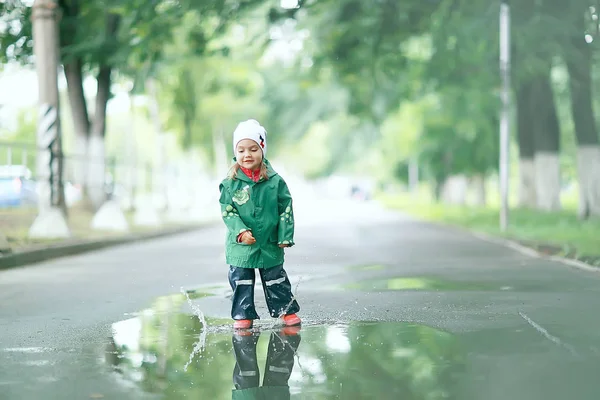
x: 171, y: 355
x: 432, y: 283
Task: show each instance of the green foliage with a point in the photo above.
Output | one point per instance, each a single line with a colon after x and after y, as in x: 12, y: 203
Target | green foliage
x: 26, y: 125
x: 389, y: 81
x: 363, y: 45
x: 296, y: 100
x: 15, y: 32
x: 24, y: 136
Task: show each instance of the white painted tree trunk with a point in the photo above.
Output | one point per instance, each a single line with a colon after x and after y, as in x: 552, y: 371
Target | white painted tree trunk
x: 130, y: 164
x: 79, y: 165
x: 547, y: 181
x: 527, y: 194
x: 159, y: 179
x: 96, y: 172
x: 455, y: 190
x: 81, y: 123
x: 110, y: 217
x: 588, y: 164
x: 480, y: 190
x: 413, y: 174
x: 220, y: 152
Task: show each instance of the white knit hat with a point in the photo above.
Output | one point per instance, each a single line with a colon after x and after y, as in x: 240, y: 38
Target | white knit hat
x: 250, y: 129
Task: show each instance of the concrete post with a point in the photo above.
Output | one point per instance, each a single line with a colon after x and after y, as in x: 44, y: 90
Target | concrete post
x: 50, y: 222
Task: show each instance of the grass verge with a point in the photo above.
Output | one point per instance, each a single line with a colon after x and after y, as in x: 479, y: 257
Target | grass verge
x: 15, y: 224
x: 556, y: 233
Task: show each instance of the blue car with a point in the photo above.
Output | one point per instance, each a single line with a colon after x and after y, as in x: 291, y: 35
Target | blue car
x: 17, y: 189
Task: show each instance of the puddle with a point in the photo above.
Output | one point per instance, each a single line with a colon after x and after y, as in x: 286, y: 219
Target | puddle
x: 424, y: 283
x: 373, y: 267
x: 161, y: 353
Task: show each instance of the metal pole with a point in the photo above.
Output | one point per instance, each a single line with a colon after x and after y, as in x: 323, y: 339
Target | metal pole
x: 505, y: 113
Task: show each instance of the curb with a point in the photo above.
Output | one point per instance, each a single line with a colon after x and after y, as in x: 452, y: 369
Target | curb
x: 533, y: 253
x: 28, y: 257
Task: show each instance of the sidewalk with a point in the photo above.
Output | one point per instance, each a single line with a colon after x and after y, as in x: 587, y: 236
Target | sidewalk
x: 39, y: 252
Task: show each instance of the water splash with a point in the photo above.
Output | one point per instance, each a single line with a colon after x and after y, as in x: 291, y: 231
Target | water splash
x: 287, y: 307
x: 200, y: 345
x: 285, y: 310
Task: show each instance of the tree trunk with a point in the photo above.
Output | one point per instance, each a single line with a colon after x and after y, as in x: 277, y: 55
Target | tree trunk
x: 160, y: 182
x: 187, y: 131
x: 131, y: 163
x: 77, y: 165
x: 588, y: 151
x: 219, y: 152
x: 438, y: 187
x: 455, y: 190
x: 97, y: 168
x: 189, y: 110
x: 480, y: 190
x: 525, y: 138
x: 81, y: 123
x: 547, y: 143
x: 413, y: 174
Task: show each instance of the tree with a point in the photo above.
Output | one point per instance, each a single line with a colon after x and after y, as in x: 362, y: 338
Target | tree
x: 127, y: 40
x: 579, y: 59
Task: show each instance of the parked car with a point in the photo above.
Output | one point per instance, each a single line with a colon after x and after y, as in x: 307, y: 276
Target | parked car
x: 361, y: 193
x: 17, y: 189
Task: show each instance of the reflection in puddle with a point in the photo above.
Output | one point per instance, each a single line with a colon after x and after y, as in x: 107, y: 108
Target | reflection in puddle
x: 278, y: 366
x: 357, y: 360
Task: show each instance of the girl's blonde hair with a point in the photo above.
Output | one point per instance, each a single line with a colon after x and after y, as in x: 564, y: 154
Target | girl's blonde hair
x: 236, y: 167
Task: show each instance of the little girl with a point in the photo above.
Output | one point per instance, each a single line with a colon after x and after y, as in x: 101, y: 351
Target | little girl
x: 257, y: 209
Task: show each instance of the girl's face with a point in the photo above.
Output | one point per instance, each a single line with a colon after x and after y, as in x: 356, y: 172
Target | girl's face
x: 249, y: 154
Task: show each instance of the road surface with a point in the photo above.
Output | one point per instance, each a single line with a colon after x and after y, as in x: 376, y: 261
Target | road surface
x: 392, y: 308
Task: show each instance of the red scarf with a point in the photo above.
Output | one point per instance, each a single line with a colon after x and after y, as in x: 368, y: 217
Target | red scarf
x: 254, y: 175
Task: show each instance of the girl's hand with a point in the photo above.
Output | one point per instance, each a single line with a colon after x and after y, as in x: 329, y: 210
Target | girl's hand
x: 247, y: 238
x: 281, y: 246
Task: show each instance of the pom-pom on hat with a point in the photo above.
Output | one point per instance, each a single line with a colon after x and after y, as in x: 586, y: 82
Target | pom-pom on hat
x: 253, y: 130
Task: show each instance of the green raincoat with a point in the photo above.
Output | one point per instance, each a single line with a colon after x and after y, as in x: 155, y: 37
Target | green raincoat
x: 265, y: 209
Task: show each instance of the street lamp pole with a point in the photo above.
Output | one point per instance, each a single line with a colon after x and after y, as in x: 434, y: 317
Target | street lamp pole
x: 505, y: 113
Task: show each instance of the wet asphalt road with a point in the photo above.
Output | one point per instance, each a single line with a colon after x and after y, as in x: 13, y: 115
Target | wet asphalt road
x: 503, y: 324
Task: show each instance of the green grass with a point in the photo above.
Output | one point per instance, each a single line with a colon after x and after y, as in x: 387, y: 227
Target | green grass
x: 559, y: 233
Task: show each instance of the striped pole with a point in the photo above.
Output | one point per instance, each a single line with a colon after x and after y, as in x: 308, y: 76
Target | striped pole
x: 45, y: 17
x: 47, y: 135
